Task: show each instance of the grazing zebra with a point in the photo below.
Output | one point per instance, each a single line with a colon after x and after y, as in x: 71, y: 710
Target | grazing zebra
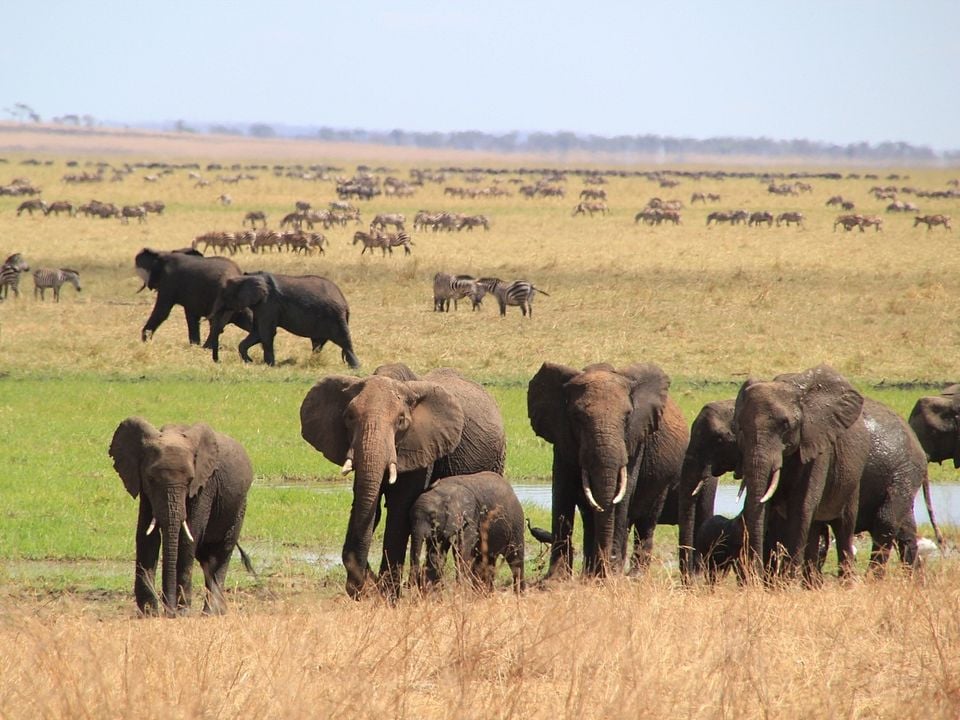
x: 848, y: 222
x: 129, y: 211
x: 44, y: 278
x: 931, y: 220
x: 58, y: 207
x: 10, y: 273
x: 371, y: 241
x: 448, y: 287
x: 154, y: 206
x: 31, y: 205
x: 760, y: 217
x: 253, y: 217
x: 584, y: 207
x: 519, y: 293
x: 874, y: 221
x: 381, y: 221
x: 789, y: 218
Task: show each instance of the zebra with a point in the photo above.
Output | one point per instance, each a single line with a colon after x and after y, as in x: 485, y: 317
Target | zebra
x: 400, y: 239
x: 519, y: 293
x: 129, y: 211
x: 31, y: 205
x: 381, y: 221
x: 448, y: 287
x: 44, y: 278
x: 253, y: 217
x: 10, y: 273
x: 371, y: 241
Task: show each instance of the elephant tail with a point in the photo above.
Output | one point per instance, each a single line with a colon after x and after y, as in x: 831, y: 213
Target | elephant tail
x: 247, y: 564
x: 941, y: 543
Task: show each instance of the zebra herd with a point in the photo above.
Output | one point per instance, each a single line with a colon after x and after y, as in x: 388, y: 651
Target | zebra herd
x: 94, y: 208
x: 43, y: 278
x: 448, y: 221
x: 519, y: 293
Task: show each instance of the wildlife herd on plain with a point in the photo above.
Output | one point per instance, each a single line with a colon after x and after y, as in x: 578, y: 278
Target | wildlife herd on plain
x: 804, y: 444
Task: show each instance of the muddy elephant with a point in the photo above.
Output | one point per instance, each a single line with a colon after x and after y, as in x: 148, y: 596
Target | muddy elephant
x: 477, y: 516
x: 712, y: 452
x: 815, y: 451
x: 936, y: 421
x: 308, y: 306
x: 618, y: 444
x: 192, y: 483
x: 398, y: 433
x: 185, y: 277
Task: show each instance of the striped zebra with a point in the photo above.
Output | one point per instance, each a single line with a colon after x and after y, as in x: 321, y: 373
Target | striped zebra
x: 44, y: 278
x: 519, y: 293
x: 448, y: 287
x: 10, y: 273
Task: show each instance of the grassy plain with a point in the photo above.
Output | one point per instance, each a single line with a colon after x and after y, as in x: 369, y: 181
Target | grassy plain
x: 710, y: 305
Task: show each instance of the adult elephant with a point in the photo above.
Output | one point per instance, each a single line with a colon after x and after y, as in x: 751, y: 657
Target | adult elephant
x: 304, y: 305
x: 712, y: 452
x: 192, y: 483
x: 398, y: 433
x: 618, y: 443
x: 185, y: 277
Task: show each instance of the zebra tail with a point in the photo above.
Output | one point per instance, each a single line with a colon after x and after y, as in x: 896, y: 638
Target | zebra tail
x: 542, y: 292
x: 247, y: 564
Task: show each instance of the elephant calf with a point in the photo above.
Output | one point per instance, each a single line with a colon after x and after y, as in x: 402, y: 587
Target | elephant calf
x: 480, y: 517
x: 192, y: 483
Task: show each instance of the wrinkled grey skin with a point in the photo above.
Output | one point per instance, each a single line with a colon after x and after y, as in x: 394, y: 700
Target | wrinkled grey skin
x: 182, y: 474
x: 479, y: 517
x: 712, y: 452
x: 308, y: 306
x: 429, y: 428
x: 846, y: 461
x: 600, y: 420
x: 185, y: 277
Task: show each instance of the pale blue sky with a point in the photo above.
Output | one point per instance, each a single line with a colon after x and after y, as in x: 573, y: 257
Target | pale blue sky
x: 831, y: 71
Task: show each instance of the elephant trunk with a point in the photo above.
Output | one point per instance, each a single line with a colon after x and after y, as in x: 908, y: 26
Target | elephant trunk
x: 762, y: 481
x: 171, y: 523
x: 372, y: 460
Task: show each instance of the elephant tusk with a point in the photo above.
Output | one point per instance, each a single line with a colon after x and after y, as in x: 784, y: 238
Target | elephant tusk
x: 774, y: 481
x: 392, y: 477
x: 623, y: 485
x: 698, y: 488
x: 151, y: 527
x: 347, y: 467
x: 186, y: 529
x: 589, y: 493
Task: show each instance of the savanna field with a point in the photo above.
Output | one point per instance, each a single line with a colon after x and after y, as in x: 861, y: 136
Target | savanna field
x: 710, y: 305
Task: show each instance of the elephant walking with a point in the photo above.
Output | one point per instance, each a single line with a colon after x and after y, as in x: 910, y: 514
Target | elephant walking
x: 618, y: 444
x: 192, y: 483
x: 477, y: 516
x: 398, y: 433
x: 309, y: 306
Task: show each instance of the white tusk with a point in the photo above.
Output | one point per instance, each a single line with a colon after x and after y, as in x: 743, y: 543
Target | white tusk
x: 774, y: 481
x: 623, y: 485
x: 151, y: 527
x: 743, y: 486
x: 697, y: 489
x: 392, y: 477
x: 589, y: 493
x: 347, y: 467
x: 186, y: 529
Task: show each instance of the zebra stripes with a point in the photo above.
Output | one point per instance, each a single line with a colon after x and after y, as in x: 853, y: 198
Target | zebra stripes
x: 448, y: 287
x: 519, y: 293
x: 10, y: 273
x: 44, y: 278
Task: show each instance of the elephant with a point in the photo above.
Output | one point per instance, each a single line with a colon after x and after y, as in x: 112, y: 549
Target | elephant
x: 477, y: 515
x: 184, y: 277
x: 712, y: 452
x: 308, y: 306
x: 399, y: 433
x: 618, y: 445
x: 192, y: 483
x: 816, y: 451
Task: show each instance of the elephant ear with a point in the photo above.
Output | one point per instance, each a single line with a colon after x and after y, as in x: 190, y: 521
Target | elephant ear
x: 436, y: 426
x: 648, y: 396
x: 321, y: 416
x: 397, y: 371
x: 251, y: 290
x: 126, y: 449
x: 829, y: 405
x: 205, y: 454
x: 546, y: 402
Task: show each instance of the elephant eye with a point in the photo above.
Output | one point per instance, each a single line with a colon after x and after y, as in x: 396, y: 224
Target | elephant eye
x: 403, y: 422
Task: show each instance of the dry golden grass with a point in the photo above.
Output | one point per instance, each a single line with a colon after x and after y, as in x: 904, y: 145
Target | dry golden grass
x: 625, y: 649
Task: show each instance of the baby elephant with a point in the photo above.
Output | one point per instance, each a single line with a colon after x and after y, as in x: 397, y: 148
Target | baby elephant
x: 480, y: 517
x: 192, y: 483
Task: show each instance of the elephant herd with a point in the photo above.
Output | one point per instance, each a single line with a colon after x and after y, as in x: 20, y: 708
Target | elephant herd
x: 812, y: 453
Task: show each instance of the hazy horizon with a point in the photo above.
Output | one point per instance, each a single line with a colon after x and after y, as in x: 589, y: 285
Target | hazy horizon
x: 836, y: 73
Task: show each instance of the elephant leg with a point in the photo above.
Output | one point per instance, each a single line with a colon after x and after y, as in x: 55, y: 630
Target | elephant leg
x: 267, y: 335
x: 193, y: 327
x: 563, y: 508
x: 248, y: 342
x: 318, y: 343
x: 396, y: 535
x: 214, y: 561
x: 148, y: 553
x: 437, y: 549
x: 161, y: 311
x: 843, y: 530
x: 185, y: 558
x: 591, y: 558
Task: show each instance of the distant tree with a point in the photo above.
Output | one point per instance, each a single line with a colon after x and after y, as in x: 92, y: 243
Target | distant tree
x: 181, y: 127
x: 224, y: 130
x: 262, y: 130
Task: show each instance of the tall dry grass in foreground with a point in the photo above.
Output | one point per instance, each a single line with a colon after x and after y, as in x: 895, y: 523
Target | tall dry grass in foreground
x: 626, y: 649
